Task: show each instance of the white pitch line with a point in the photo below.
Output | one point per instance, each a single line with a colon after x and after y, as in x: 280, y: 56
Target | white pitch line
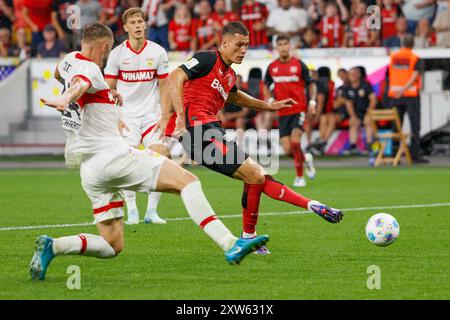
x: 302, y: 212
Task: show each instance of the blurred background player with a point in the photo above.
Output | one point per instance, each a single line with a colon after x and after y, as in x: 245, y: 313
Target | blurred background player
x: 138, y: 69
x: 339, y: 112
x: 360, y: 97
x: 325, y: 94
x: 288, y: 77
x: 199, y: 89
x: 109, y: 164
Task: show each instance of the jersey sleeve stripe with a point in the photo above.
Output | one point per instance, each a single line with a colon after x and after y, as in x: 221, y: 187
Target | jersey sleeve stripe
x: 147, y: 132
x: 162, y: 76
x: 84, y: 78
x: 101, y: 96
x: 111, y: 76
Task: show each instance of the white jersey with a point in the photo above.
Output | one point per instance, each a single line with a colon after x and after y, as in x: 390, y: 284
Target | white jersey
x: 137, y: 75
x: 99, y: 130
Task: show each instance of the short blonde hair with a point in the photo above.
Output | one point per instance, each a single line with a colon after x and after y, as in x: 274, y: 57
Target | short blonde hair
x: 131, y: 12
x: 95, y: 32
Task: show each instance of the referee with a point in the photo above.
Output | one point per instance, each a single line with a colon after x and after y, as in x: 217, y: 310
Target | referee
x: 404, y: 90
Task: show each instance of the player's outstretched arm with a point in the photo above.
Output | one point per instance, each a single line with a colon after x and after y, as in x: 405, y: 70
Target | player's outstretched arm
x: 77, y: 88
x: 242, y: 99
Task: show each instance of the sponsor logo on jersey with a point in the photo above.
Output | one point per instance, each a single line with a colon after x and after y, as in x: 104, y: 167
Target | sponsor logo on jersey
x: 137, y: 76
x: 285, y: 79
x: 216, y: 85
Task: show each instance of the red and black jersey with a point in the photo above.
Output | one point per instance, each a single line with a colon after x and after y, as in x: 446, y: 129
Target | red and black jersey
x: 210, y: 82
x: 202, y: 30
x: 250, y: 15
x: 289, y: 80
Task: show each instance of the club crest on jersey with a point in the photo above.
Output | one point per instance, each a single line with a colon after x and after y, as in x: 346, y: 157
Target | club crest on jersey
x: 137, y: 76
x: 230, y: 81
x: 150, y: 62
x: 294, y: 69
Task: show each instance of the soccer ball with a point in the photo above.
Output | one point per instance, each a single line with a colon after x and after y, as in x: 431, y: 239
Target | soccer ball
x: 382, y: 229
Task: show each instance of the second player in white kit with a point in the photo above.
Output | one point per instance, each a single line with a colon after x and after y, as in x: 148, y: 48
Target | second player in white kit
x: 138, y: 69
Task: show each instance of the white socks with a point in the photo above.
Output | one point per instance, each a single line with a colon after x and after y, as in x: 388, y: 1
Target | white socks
x: 246, y: 235
x: 153, y: 199
x: 83, y: 244
x: 203, y: 215
x: 130, y: 199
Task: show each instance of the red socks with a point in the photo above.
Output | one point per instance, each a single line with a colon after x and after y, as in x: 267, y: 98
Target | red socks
x: 279, y: 191
x: 250, y: 205
x: 299, y: 158
x: 272, y: 188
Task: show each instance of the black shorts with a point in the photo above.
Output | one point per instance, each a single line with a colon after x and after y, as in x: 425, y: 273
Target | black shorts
x: 211, y: 147
x: 286, y: 124
x: 342, y: 113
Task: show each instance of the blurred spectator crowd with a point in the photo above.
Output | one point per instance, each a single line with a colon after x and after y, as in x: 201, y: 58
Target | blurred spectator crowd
x: 49, y: 28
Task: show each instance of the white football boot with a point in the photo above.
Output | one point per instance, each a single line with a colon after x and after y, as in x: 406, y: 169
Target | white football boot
x: 152, y: 216
x: 133, y: 217
x: 299, y: 182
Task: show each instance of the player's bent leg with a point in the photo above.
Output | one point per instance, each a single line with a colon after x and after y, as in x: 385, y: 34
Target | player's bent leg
x: 111, y: 237
x: 108, y: 213
x: 278, y: 191
x: 108, y: 244
x: 253, y: 176
x: 173, y: 178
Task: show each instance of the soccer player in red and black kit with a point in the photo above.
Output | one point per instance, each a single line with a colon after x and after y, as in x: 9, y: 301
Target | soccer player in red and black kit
x: 288, y: 76
x: 199, y: 89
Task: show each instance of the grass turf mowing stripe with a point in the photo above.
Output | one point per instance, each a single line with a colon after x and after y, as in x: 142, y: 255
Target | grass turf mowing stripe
x: 51, y: 226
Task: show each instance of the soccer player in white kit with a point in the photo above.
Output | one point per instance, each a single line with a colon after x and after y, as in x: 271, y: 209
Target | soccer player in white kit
x: 138, y: 69
x: 109, y: 165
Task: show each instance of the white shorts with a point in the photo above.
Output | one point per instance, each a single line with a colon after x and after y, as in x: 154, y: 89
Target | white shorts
x: 104, y: 175
x: 140, y: 130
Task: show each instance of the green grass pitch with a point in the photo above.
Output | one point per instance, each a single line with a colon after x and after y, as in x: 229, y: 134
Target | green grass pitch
x: 311, y: 259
